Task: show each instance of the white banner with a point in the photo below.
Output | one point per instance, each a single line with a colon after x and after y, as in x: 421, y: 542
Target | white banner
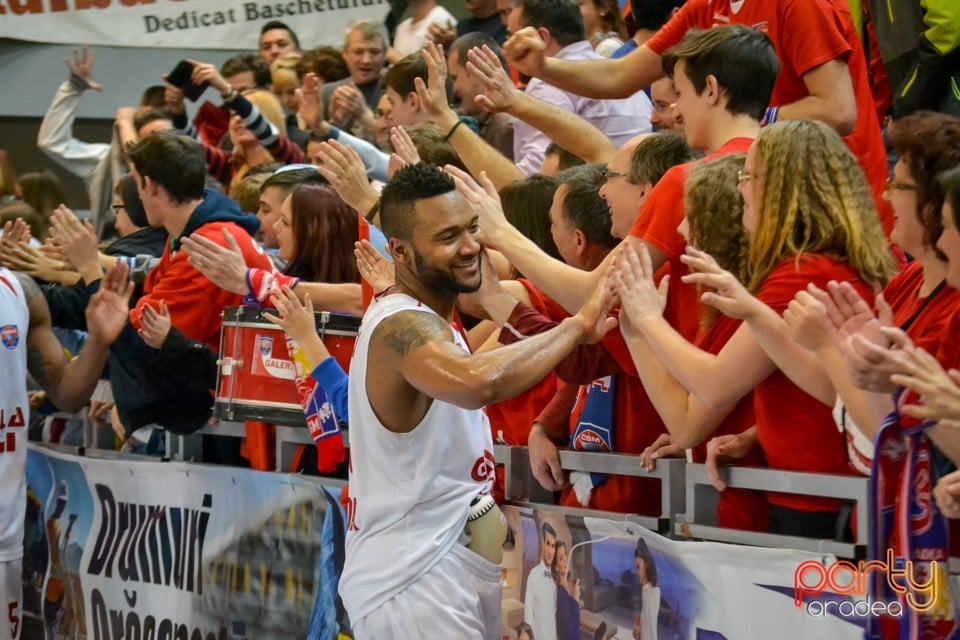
x: 127, y: 549
x: 191, y: 24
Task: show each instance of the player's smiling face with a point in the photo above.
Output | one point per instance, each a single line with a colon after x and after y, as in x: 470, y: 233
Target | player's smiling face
x: 447, y: 244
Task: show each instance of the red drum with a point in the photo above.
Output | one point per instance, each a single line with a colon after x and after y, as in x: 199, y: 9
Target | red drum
x: 256, y: 373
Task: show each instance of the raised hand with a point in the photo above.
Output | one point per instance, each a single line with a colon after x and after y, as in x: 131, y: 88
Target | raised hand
x: 851, y: 314
x: 82, y: 66
x: 483, y: 198
x: 223, y: 266
x: 526, y: 52
x: 378, y: 272
x: 343, y: 168
x: 403, y: 147
x: 205, y: 73
x: 173, y: 98
x: 155, y: 325
x: 310, y: 109
x: 77, y: 241
x: 939, y: 389
x: 109, y: 307
x: 34, y: 263
x: 346, y: 102
x: 594, y: 314
x: 632, y: 277
x: 433, y: 93
x: 729, y: 296
x: 499, y: 92
x: 295, y: 318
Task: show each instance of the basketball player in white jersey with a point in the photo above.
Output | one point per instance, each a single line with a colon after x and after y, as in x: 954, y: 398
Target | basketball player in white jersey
x: 27, y: 343
x: 420, y: 445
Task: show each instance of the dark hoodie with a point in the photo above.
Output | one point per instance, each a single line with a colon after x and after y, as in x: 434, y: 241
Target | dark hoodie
x: 171, y: 387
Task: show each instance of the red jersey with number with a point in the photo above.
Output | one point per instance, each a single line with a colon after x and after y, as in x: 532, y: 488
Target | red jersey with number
x: 14, y: 411
x: 806, y: 34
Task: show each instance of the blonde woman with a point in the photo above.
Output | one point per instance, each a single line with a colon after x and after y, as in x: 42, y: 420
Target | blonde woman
x: 810, y: 217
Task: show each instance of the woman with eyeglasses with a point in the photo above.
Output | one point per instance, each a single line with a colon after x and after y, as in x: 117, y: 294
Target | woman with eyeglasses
x: 810, y: 218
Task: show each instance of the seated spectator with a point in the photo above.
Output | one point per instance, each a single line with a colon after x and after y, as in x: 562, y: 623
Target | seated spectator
x: 796, y: 239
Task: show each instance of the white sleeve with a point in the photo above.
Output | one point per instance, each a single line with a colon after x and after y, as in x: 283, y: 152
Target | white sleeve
x: 55, y: 137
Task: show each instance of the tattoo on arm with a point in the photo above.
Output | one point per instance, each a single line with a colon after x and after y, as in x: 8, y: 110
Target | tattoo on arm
x: 408, y: 330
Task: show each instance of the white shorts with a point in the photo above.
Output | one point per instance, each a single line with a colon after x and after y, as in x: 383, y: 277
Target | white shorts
x: 460, y: 597
x: 11, y: 590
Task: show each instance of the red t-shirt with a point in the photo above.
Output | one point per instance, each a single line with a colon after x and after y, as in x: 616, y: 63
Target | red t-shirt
x: 737, y: 508
x: 806, y: 35
x: 797, y: 432
x: 661, y: 214
x: 927, y: 316
x: 637, y: 423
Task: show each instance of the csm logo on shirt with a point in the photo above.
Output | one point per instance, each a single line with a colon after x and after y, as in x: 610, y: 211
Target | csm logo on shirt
x: 10, y: 336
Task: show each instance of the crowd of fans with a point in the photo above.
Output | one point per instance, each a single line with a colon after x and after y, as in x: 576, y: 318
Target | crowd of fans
x: 784, y: 299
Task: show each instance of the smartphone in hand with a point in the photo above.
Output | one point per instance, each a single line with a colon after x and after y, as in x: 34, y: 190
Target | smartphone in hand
x: 180, y: 78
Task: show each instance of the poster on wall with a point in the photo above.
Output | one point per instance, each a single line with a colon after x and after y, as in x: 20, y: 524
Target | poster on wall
x: 118, y: 549
x: 190, y: 24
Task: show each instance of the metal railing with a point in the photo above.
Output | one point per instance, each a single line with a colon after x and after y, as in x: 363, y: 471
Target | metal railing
x: 688, y: 500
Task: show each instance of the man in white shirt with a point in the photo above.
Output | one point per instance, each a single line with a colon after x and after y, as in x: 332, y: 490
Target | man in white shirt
x: 413, y: 33
x: 540, y: 597
x: 560, y: 25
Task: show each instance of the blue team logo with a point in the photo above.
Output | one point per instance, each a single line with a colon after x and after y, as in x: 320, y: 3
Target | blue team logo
x: 265, y: 345
x: 10, y: 336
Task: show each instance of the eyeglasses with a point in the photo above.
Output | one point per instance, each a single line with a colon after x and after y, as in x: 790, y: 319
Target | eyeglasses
x: 610, y: 175
x: 744, y: 176
x: 893, y: 185
x: 116, y: 207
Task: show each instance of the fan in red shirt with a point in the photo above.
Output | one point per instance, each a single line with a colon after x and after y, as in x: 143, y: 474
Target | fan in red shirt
x: 823, y: 68
x: 803, y: 229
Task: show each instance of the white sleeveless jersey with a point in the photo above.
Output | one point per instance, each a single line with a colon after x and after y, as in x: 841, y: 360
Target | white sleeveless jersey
x: 409, y: 492
x: 14, y: 413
